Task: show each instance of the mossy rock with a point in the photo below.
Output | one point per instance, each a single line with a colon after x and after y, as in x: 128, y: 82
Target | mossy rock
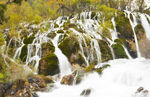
x: 49, y: 65
x: 99, y: 70
x: 125, y: 31
x: 51, y: 35
x: 60, y: 31
x: 47, y: 48
x: 86, y: 92
x: 106, y: 33
x: 123, y: 26
x: 119, y: 51
x: 90, y: 68
x: 28, y: 40
x: 69, y: 46
x: 23, y: 54
x: 118, y: 41
x: 105, y: 51
x: 140, y: 32
x: 77, y: 58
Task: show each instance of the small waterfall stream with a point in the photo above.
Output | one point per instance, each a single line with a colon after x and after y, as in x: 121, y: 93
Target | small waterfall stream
x: 64, y: 65
x: 133, y: 24
x: 146, y: 25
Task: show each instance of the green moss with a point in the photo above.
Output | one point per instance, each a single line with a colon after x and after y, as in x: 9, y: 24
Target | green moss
x: 51, y: 35
x: 69, y: 45
x: 28, y: 40
x: 23, y: 54
x: 2, y: 39
x: 106, y: 32
x: 118, y: 41
x: 1, y: 78
x: 90, y: 68
x: 49, y: 65
x: 140, y: 32
x: 124, y: 27
x: 47, y: 48
x: 60, y: 31
x: 119, y: 51
x: 105, y: 51
x: 125, y: 32
x: 99, y: 70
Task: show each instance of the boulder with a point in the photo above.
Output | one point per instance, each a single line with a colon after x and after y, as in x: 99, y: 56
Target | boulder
x: 47, y: 48
x: 119, y: 51
x: 26, y: 88
x: 48, y: 65
x: 86, y: 92
x: 67, y: 80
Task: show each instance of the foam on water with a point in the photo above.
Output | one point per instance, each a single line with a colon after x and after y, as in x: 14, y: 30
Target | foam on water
x: 122, y: 79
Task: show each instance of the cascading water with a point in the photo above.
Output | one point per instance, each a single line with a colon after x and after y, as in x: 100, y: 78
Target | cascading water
x: 64, y: 65
x: 133, y: 24
x: 122, y: 79
x: 146, y: 25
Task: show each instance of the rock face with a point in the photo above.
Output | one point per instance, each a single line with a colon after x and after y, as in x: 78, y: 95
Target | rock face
x: 67, y: 80
x: 25, y: 88
x: 49, y: 65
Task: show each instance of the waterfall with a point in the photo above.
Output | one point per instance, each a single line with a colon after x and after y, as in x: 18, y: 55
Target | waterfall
x: 133, y: 24
x: 128, y: 54
x: 115, y: 36
x: 97, y: 49
x: 145, y: 25
x: 122, y: 79
x: 64, y: 65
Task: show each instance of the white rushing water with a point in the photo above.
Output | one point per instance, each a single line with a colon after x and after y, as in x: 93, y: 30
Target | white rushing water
x: 133, y: 25
x: 64, y: 65
x: 122, y: 79
x: 146, y: 25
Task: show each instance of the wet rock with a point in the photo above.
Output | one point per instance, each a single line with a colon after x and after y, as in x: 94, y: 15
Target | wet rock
x: 47, y: 48
x: 49, y: 65
x: 140, y: 32
x: 69, y: 46
x: 78, y: 75
x: 105, y: 51
x: 67, y: 80
x: 125, y: 31
x: 119, y: 51
x: 86, y: 92
x: 26, y: 88
x: 140, y: 89
x: 51, y: 35
x: 141, y: 92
